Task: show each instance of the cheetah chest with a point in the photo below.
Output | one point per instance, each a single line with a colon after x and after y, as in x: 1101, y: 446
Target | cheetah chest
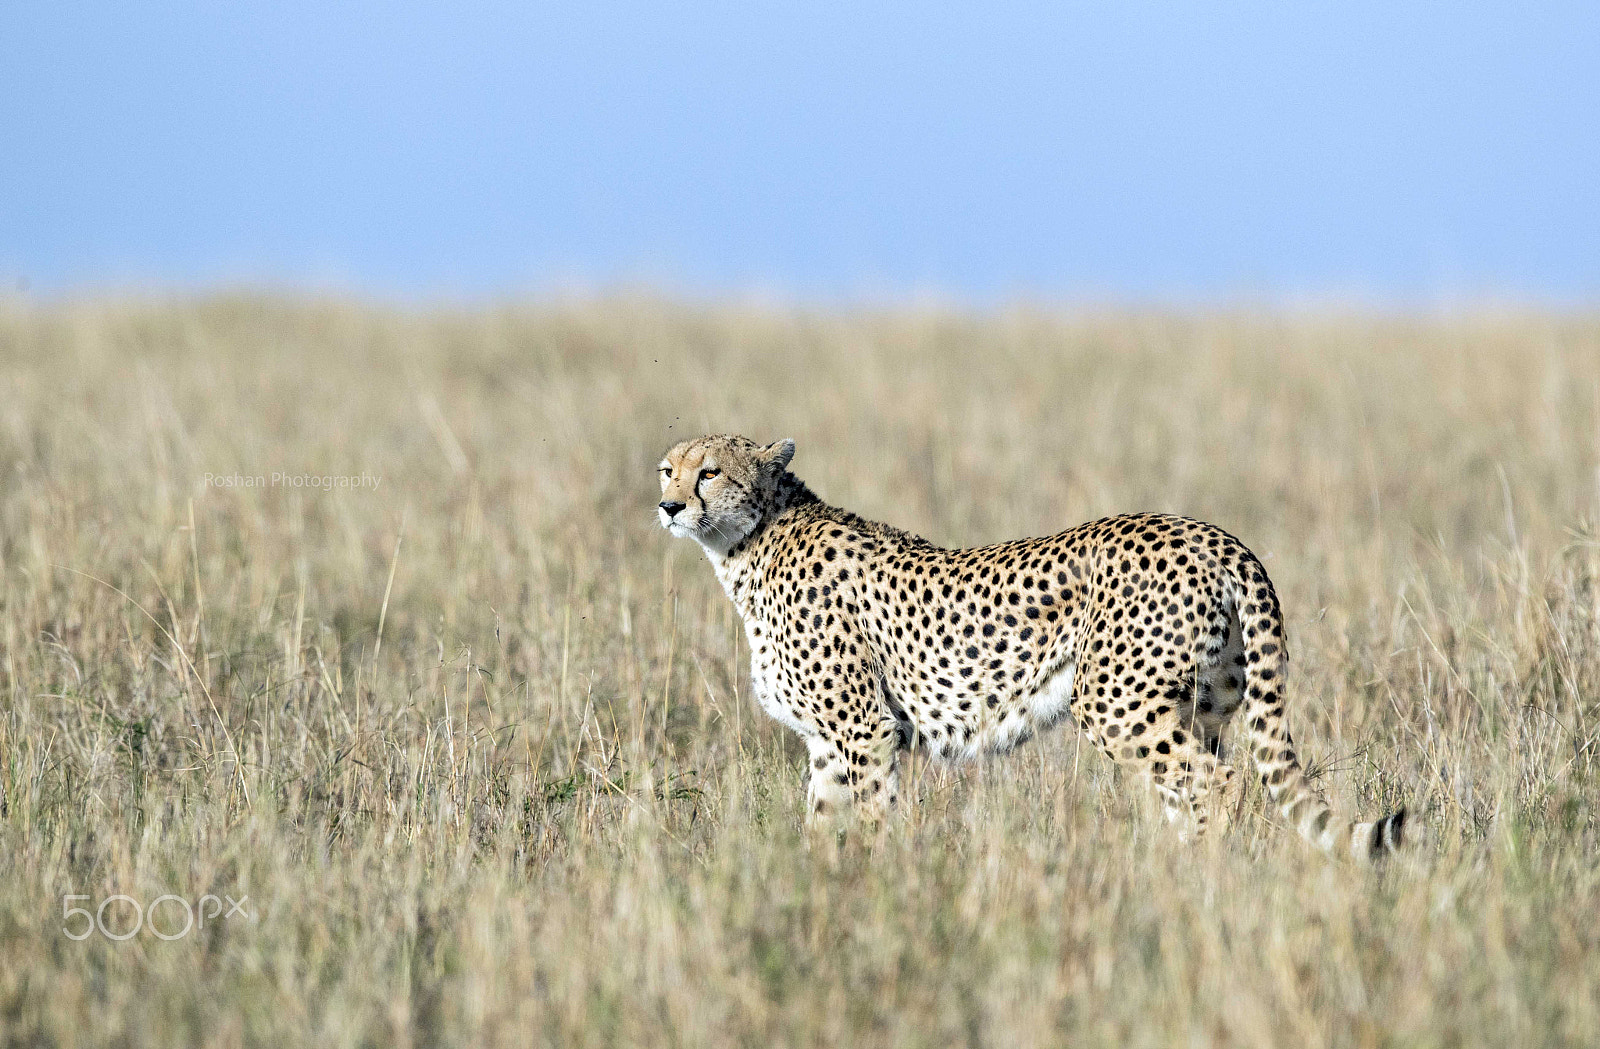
x: 767, y: 683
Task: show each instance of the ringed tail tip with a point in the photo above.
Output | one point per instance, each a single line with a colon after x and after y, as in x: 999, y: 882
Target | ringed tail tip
x: 1388, y: 834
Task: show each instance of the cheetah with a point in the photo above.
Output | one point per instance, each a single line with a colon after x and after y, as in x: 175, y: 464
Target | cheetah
x: 1150, y: 631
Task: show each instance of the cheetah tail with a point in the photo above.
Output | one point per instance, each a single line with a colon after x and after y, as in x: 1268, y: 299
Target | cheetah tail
x: 1266, y: 663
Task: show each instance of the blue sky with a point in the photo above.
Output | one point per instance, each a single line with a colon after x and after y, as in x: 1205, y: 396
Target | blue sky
x: 1394, y: 151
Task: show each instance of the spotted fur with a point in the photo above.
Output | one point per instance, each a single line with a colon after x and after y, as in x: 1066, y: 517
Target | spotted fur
x: 1150, y: 631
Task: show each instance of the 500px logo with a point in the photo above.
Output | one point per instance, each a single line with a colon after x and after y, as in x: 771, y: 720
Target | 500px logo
x: 176, y: 906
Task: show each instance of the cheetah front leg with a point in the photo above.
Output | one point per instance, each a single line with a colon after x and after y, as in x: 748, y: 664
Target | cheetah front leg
x: 828, y: 793
x: 853, y: 773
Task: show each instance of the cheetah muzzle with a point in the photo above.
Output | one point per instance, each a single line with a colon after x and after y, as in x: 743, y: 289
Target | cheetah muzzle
x: 1150, y: 631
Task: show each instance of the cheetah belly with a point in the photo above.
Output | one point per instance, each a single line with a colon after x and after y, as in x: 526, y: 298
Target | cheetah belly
x: 1024, y: 716
x: 1050, y: 703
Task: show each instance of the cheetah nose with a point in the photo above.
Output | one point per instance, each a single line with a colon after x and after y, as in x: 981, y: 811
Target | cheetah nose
x: 671, y: 508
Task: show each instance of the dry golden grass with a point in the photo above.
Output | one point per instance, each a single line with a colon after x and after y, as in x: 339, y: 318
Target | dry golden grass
x: 545, y: 811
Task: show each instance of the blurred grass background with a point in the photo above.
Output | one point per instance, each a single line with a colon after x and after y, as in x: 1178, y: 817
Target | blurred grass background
x: 544, y: 811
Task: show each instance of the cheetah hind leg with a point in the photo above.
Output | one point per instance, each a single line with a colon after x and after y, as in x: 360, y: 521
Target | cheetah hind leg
x: 1168, y: 747
x: 1200, y: 796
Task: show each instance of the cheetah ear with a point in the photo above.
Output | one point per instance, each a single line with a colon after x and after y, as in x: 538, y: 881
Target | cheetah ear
x: 778, y: 453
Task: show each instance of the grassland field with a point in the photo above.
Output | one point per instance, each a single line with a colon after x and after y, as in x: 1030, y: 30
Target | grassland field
x: 470, y: 743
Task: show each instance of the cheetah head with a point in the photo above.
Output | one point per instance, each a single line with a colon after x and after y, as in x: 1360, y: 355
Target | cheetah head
x: 715, y: 489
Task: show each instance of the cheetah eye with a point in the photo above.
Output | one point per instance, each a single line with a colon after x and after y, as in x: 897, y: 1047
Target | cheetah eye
x: 706, y: 475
